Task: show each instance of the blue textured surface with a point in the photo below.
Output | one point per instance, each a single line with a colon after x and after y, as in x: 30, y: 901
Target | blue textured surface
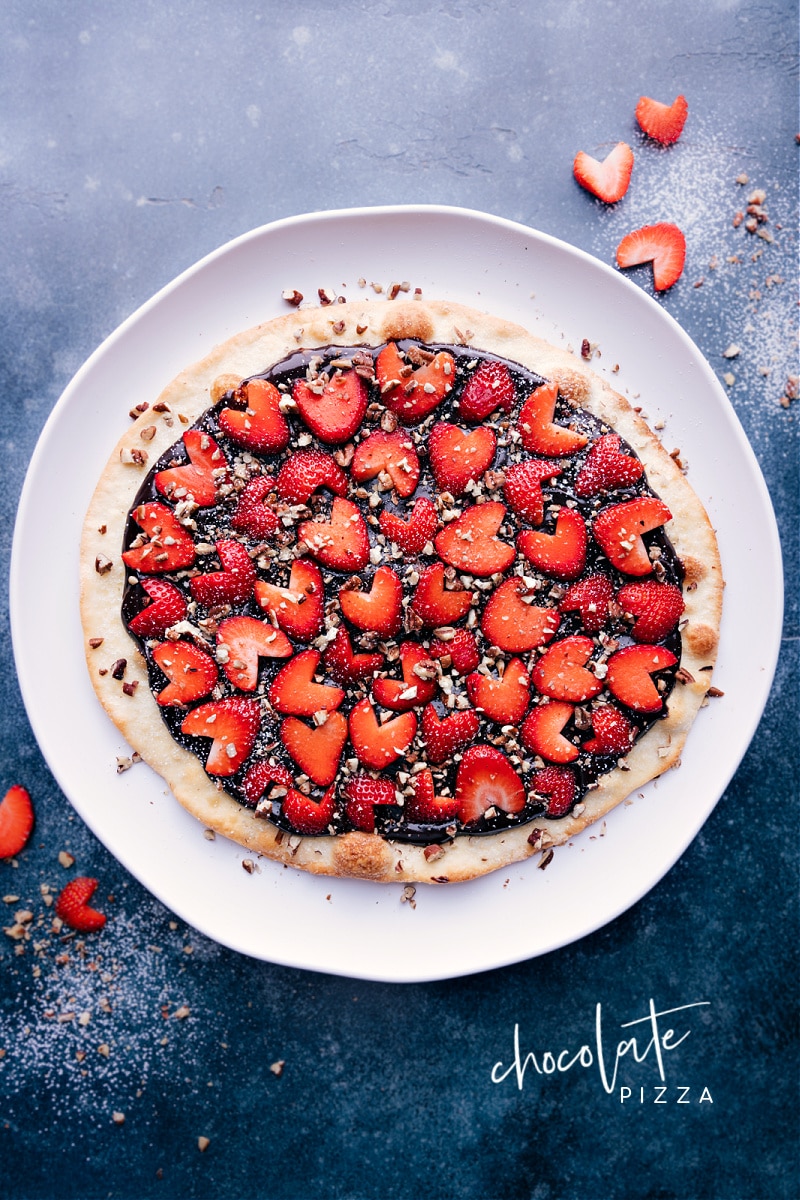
x: 136, y: 139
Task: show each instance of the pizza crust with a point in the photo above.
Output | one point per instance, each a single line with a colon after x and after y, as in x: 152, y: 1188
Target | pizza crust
x: 130, y: 704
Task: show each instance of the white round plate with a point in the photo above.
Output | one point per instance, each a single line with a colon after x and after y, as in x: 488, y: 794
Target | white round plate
x: 351, y: 927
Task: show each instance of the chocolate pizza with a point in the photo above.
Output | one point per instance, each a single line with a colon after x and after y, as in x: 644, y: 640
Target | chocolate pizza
x: 397, y: 590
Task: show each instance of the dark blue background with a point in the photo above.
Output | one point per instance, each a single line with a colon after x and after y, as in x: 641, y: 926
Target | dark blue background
x: 138, y: 137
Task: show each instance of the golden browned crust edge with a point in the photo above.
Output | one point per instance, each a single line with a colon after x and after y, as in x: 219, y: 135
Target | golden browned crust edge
x: 363, y: 855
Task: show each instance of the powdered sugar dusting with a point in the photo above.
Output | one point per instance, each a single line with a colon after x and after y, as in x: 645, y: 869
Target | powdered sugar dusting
x: 95, y: 1018
x: 701, y: 184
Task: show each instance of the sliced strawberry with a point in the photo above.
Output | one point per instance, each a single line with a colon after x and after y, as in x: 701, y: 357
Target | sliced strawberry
x: 418, y: 685
x: 232, y: 724
x: 72, y: 906
x: 253, y: 515
x: 458, y: 456
x: 523, y: 488
x: 557, y: 786
x: 541, y: 732
x: 258, y: 425
x: 304, y: 472
x: 411, y: 393
x: 346, y: 667
x: 307, y: 815
x: 241, y: 642
x: 192, y: 673
x: 233, y: 584
x: 334, y: 410
x: 317, y: 749
x: 413, y: 535
x: 618, y: 530
x: 262, y: 781
x: 444, y: 736
x: 470, y: 543
x: 201, y: 476
x: 613, y: 732
x: 425, y: 807
x: 380, y: 609
x: 504, y: 700
x: 609, y: 179
x: 630, y: 673
x: 662, y: 122
x: 361, y: 794
x: 299, y: 609
x: 167, y: 606
x: 539, y: 433
x: 168, y: 546
x: 607, y: 467
x: 392, y: 453
x: 513, y: 625
x: 486, y: 782
x: 656, y: 606
x: 591, y: 597
x: 561, y: 554
x: 489, y: 388
x: 341, y: 543
x: 460, y: 648
x: 434, y: 604
x: 562, y: 674
x: 293, y: 690
x: 377, y: 745
x: 663, y: 244
x: 16, y: 820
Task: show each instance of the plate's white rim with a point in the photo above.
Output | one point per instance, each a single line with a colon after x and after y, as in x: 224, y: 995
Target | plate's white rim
x: 774, y: 618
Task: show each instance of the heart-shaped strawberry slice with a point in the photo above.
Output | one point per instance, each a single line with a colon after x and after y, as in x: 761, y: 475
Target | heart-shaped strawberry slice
x: 232, y: 724
x: 541, y: 732
x: 470, y: 543
x: 307, y: 815
x: 443, y: 736
x: 332, y: 408
x: 413, y: 392
x: 458, y: 456
x: 413, y: 535
x: 437, y: 605
x: 503, y: 700
x: 418, y: 685
x: 362, y: 793
x: 607, y: 467
x: 342, y: 542
x: 294, y: 691
x: 561, y: 672
x: 241, y: 642
x: 425, y: 807
x: 619, y: 530
x: 489, y: 388
x: 522, y: 487
x: 591, y: 597
x: 304, y: 472
x: 538, y: 431
x: 200, y: 478
x: 259, y: 425
x: 191, y: 672
x: 169, y: 548
x: 298, y: 609
x: 514, y: 624
x: 167, y: 607
x: 389, y: 453
x: 233, y: 584
x: 561, y: 554
x: 263, y: 782
x: 377, y: 745
x: 557, y: 786
x: 379, y: 609
x: 630, y: 673
x: 317, y: 749
x: 346, y: 667
x: 253, y: 514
